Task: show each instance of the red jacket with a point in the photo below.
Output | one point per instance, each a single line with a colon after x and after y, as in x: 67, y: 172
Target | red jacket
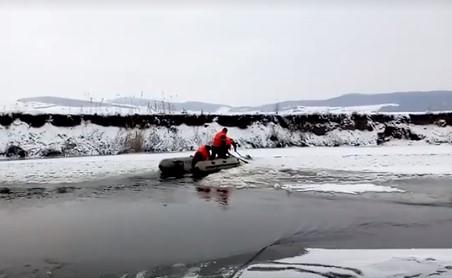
x: 228, y: 142
x: 218, y: 139
x: 203, y: 152
x: 221, y: 139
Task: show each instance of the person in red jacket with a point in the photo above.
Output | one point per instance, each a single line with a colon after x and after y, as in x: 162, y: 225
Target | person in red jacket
x: 222, y: 143
x: 203, y: 153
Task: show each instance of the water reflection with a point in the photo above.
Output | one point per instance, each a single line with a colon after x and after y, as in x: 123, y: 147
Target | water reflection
x: 218, y: 195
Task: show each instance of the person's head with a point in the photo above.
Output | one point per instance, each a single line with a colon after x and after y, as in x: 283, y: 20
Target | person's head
x: 208, y: 147
x: 225, y: 130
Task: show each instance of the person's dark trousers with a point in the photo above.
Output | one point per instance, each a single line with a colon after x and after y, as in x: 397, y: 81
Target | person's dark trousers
x: 219, y: 152
x: 196, y: 158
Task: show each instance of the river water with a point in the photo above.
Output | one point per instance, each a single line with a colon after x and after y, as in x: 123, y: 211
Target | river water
x: 137, y: 225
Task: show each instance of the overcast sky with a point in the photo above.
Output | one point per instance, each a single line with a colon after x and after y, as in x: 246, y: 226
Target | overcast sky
x: 242, y: 53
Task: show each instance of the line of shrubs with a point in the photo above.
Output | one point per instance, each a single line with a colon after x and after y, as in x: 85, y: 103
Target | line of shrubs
x: 293, y: 122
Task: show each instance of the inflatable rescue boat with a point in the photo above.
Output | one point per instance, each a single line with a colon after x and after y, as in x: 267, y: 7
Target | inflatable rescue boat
x: 180, y: 166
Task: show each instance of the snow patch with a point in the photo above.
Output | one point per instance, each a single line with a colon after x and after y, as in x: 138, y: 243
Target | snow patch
x: 337, y: 109
x: 78, y: 169
x: 371, y: 263
x: 223, y: 110
x: 141, y: 274
x: 340, y: 188
x: 406, y: 160
x: 36, y: 108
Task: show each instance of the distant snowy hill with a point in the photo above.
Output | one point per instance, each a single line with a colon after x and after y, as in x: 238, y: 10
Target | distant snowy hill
x: 432, y: 101
x: 403, y: 102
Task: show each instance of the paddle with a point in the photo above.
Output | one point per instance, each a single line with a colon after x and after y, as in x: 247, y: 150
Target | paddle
x: 239, y: 158
x: 235, y: 145
x: 244, y: 157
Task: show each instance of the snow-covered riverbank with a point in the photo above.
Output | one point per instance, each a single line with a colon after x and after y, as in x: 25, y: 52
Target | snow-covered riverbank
x: 59, y: 135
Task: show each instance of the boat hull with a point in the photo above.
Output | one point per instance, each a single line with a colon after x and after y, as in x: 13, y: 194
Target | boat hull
x: 180, y: 166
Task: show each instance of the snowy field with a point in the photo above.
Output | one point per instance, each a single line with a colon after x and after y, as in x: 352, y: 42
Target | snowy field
x: 108, y: 108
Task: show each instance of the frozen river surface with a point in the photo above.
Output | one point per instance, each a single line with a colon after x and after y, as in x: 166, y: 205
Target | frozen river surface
x: 296, y: 212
